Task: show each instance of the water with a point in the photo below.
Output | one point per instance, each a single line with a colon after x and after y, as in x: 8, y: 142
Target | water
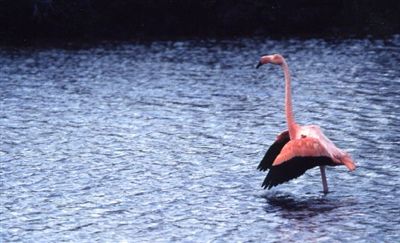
x: 159, y: 141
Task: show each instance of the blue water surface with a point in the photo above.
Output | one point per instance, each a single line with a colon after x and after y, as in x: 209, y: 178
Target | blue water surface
x: 159, y: 141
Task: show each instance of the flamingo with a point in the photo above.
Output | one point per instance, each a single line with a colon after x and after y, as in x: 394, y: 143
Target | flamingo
x: 299, y: 148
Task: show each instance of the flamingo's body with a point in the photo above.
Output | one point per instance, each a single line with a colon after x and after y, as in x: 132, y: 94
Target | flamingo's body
x: 300, y: 147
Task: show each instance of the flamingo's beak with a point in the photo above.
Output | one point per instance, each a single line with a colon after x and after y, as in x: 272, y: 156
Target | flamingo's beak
x: 259, y: 64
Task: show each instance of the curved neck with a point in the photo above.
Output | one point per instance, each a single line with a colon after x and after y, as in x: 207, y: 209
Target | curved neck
x: 288, y: 101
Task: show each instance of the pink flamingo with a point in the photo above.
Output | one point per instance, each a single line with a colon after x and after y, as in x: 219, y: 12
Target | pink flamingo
x: 300, y: 147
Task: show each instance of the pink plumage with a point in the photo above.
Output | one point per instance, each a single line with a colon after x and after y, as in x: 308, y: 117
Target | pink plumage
x: 301, y: 147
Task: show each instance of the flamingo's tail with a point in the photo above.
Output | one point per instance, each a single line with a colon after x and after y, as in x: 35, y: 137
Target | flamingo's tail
x: 348, y: 162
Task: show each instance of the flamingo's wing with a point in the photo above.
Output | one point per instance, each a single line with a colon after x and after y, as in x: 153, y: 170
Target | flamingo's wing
x: 295, y: 158
x: 274, y: 151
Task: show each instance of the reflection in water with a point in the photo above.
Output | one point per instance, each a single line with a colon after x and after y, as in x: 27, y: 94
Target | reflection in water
x: 301, y: 207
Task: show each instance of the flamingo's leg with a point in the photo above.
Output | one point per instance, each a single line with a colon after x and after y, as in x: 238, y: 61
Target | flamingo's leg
x: 324, y: 182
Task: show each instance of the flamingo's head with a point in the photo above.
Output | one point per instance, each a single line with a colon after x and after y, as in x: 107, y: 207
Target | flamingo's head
x: 274, y: 59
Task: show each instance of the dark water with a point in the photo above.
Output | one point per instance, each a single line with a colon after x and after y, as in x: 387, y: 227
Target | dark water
x: 160, y: 141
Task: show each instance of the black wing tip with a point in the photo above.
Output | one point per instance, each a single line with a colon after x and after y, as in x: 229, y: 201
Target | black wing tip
x: 273, y: 151
x: 290, y: 170
x: 268, y: 185
x: 262, y: 168
x: 268, y: 182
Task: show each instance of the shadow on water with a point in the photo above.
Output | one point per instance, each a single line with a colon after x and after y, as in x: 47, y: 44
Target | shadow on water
x: 302, y: 207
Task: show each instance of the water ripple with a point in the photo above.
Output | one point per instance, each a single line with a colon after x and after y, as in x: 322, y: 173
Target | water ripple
x: 160, y: 141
